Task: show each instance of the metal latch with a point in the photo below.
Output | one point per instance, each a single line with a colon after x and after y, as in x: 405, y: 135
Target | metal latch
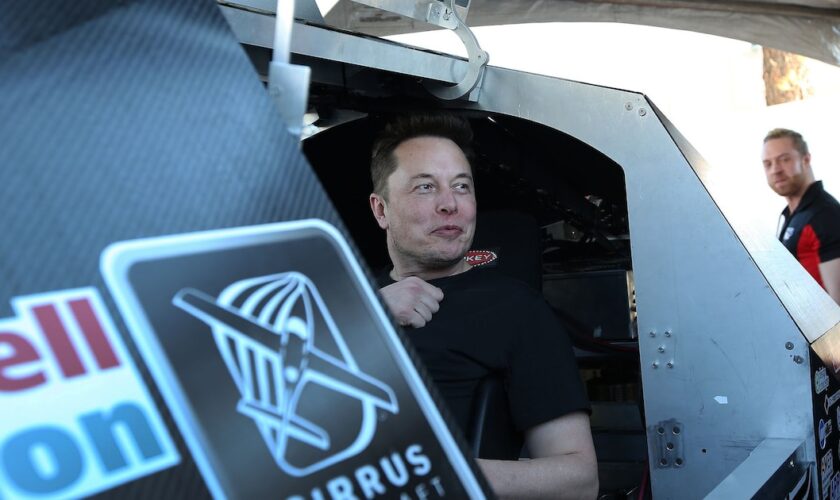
x: 288, y: 84
x: 444, y: 13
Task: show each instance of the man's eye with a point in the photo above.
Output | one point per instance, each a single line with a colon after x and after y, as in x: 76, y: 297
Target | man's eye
x: 462, y: 187
x: 423, y: 188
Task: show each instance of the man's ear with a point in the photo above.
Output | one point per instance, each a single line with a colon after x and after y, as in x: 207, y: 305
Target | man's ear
x: 379, y: 209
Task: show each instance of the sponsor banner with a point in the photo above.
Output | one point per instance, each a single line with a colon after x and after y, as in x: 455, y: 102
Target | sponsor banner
x: 76, y: 416
x: 824, y: 431
x: 820, y: 380
x: 282, y: 370
x: 826, y: 472
x: 830, y: 400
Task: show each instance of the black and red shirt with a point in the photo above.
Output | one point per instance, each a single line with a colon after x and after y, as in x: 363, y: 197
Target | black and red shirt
x: 812, y: 231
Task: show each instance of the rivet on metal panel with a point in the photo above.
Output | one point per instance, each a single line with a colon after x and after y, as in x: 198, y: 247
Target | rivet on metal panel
x: 642, y: 111
x: 654, y: 365
x: 652, y: 334
x: 628, y: 106
x: 670, y: 364
x: 661, y: 348
x: 789, y: 346
x: 798, y: 359
x: 667, y: 333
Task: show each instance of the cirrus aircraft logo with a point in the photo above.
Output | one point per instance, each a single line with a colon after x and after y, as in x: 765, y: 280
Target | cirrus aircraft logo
x: 265, y: 331
x: 281, y: 368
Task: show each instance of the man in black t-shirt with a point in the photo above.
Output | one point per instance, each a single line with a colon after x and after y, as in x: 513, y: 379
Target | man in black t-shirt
x: 469, y: 323
x: 810, y: 224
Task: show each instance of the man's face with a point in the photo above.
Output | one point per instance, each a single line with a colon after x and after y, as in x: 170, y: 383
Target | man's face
x: 430, y: 211
x: 787, y: 170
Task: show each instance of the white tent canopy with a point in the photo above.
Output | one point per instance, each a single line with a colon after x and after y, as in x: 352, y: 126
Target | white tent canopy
x: 807, y: 27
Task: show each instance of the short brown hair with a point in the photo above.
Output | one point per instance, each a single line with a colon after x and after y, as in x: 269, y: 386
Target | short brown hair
x: 798, y: 142
x: 383, y: 162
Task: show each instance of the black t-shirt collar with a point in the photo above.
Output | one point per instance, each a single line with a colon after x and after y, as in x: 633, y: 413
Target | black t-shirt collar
x: 812, y: 193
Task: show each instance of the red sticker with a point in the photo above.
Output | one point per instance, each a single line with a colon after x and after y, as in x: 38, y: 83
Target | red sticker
x: 480, y: 257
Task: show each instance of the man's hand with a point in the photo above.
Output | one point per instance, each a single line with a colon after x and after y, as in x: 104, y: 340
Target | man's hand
x: 412, y: 301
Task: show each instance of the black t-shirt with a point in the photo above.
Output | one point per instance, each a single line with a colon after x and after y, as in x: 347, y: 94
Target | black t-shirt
x: 488, y: 324
x: 812, y: 232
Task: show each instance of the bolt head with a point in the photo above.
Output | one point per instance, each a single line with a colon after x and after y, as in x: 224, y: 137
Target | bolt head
x: 667, y: 333
x: 789, y: 346
x: 654, y: 365
x: 652, y: 334
x: 798, y: 359
x: 628, y: 106
x: 642, y: 111
x: 670, y: 364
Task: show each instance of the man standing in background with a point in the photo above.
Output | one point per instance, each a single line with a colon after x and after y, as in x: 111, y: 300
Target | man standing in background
x: 810, y: 224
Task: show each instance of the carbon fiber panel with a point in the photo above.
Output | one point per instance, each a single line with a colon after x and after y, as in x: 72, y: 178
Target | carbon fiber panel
x: 123, y: 120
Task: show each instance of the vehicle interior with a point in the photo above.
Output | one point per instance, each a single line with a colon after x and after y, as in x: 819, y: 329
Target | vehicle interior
x: 529, y: 178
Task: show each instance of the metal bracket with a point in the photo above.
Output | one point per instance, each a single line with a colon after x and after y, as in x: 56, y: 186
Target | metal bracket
x: 437, y: 12
x: 288, y: 84
x: 668, y: 451
x: 478, y: 60
x: 446, y: 14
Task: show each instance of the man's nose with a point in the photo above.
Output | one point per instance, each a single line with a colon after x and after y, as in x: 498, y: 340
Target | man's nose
x: 447, y: 203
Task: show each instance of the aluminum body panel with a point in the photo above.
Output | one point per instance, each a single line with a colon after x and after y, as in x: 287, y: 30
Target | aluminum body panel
x: 746, y: 480
x: 811, y: 308
x: 253, y: 28
x: 733, y: 383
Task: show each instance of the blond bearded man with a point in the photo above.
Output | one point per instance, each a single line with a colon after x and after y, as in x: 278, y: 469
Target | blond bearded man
x: 810, y: 224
